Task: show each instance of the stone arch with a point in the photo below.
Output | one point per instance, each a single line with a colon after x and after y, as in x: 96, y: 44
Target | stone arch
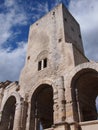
x: 49, y: 88
x: 42, y: 107
x: 43, y: 54
x: 58, y: 97
x: 82, y: 86
x: 16, y: 95
x: 44, y: 81
x: 8, y: 110
x: 70, y: 75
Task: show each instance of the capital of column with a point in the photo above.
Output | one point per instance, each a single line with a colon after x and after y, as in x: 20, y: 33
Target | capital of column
x: 18, y: 105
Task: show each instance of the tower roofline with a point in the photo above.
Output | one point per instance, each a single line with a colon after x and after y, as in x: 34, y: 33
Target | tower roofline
x: 54, y: 8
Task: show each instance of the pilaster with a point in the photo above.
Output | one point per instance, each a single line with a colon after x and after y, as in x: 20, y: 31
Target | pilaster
x: 60, y: 106
x: 69, y: 105
x: 28, y: 116
x: 20, y: 116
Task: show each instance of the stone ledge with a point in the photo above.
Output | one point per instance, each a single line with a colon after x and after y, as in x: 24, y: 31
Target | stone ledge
x: 60, y: 123
x: 89, y: 122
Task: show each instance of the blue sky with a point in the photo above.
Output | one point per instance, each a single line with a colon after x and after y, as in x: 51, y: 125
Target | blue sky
x: 17, y: 15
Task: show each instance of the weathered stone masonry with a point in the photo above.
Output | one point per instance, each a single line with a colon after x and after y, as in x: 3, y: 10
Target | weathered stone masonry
x: 58, y: 85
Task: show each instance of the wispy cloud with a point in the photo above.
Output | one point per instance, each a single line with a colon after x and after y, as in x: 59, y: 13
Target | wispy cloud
x: 56, y: 2
x: 12, y: 16
x: 12, y: 62
x: 86, y: 11
x: 38, y: 9
x: 16, y: 14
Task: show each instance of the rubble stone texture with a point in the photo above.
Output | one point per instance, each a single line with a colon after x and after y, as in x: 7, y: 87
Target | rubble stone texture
x: 58, y: 85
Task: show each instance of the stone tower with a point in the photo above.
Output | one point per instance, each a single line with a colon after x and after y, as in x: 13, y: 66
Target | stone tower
x: 58, y: 85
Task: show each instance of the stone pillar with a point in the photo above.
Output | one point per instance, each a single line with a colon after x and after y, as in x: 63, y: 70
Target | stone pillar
x: 61, y: 103
x: 20, y: 116
x: 69, y: 105
x: 78, y: 106
x: 55, y: 107
x: 61, y: 99
x: 28, y: 116
x: 71, y: 109
x: 74, y: 126
x: 24, y: 115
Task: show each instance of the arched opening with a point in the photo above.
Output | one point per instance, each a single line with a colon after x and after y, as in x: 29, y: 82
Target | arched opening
x: 42, y: 108
x: 8, y: 113
x: 85, y: 92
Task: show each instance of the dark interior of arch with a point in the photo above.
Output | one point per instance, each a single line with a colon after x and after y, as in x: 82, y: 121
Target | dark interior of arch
x: 42, y: 108
x: 86, y: 84
x: 8, y: 113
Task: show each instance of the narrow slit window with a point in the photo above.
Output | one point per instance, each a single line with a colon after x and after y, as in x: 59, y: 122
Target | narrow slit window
x: 39, y: 65
x: 53, y: 13
x: 60, y: 40
x: 65, y: 19
x: 79, y: 36
x: 42, y: 64
x: 28, y: 57
x: 45, y: 63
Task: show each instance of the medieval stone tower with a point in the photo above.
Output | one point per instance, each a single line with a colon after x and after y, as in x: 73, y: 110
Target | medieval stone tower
x: 58, y: 85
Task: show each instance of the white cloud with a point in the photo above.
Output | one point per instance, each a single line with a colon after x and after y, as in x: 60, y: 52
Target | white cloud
x: 86, y: 13
x: 9, y: 3
x: 12, y: 17
x: 40, y: 9
x: 12, y: 62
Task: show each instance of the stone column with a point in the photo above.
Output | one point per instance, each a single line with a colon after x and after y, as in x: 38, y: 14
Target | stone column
x: 78, y: 106
x: 61, y: 103
x: 24, y: 115
x: 71, y: 109
x: 69, y: 105
x: 28, y: 116
x: 61, y: 99
x: 18, y: 118
x: 55, y: 107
